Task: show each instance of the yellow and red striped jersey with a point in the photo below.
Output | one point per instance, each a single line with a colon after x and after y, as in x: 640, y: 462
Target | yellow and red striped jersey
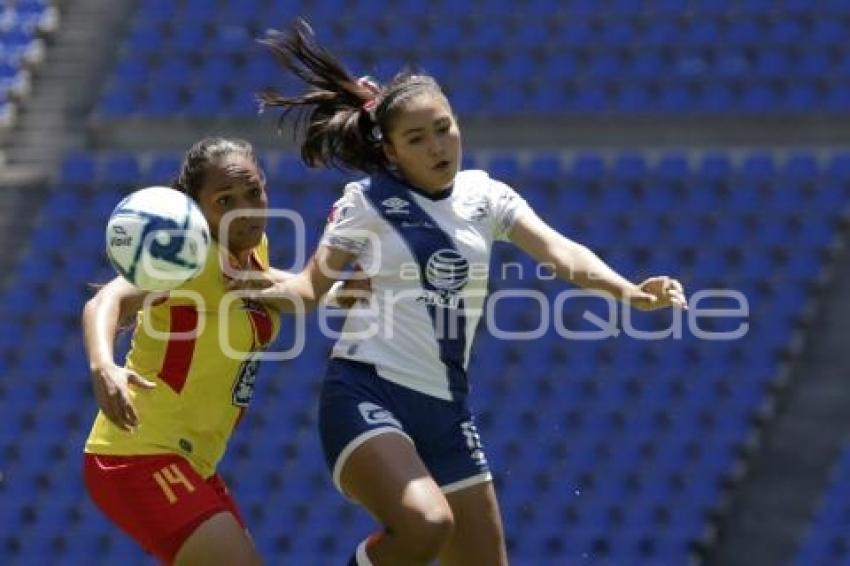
x: 200, y: 348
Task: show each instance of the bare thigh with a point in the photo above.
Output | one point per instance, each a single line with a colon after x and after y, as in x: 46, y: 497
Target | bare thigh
x: 478, y: 537
x: 386, y: 475
x: 219, y: 540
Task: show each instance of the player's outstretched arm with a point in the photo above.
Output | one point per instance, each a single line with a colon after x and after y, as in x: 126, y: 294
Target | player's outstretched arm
x: 302, y: 292
x: 114, y: 304
x: 576, y: 263
x: 342, y: 294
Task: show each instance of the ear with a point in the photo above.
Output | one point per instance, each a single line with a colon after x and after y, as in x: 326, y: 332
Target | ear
x: 390, y: 153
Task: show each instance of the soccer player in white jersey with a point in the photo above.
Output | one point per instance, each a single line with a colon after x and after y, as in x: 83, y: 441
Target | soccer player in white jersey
x: 396, y: 429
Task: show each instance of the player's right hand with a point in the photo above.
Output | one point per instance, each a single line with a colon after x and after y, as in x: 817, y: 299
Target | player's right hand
x: 111, y: 389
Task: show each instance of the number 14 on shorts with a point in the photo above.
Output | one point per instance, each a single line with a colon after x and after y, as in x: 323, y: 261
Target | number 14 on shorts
x: 169, y: 478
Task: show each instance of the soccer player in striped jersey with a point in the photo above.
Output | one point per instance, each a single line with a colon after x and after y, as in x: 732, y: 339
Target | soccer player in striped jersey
x: 396, y: 428
x: 167, y: 414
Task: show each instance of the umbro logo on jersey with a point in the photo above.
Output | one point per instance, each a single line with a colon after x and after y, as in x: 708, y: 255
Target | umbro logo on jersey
x: 396, y: 205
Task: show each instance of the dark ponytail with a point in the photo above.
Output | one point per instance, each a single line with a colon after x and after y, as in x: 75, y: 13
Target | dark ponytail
x: 337, y: 130
x: 343, y: 119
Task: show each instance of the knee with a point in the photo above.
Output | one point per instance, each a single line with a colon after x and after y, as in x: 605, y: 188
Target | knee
x: 427, y: 530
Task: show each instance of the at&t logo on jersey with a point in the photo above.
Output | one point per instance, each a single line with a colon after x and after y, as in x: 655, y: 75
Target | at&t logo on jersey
x: 448, y: 272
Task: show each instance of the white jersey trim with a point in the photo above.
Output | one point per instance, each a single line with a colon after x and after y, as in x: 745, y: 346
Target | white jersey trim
x: 468, y: 482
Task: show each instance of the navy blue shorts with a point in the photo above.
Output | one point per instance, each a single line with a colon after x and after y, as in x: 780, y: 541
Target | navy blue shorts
x: 357, y: 404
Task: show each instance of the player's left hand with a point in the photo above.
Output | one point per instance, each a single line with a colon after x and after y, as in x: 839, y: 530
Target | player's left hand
x: 660, y: 292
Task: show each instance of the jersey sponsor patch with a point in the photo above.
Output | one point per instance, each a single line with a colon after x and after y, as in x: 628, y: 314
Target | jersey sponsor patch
x: 243, y: 389
x: 374, y: 414
x: 446, y: 299
x: 447, y: 270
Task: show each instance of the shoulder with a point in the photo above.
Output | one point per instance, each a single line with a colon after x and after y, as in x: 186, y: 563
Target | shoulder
x: 358, y: 187
x: 473, y: 178
x: 356, y: 192
x: 478, y: 179
x: 353, y: 202
x: 479, y: 183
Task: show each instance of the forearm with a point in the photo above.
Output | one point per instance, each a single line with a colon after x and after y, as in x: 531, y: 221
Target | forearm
x: 581, y: 266
x: 101, y: 318
x: 302, y: 292
x: 570, y: 260
x: 280, y: 276
x: 292, y: 294
x: 576, y: 263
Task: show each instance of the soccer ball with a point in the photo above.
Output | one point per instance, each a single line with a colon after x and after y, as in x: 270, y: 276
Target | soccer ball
x: 157, y: 238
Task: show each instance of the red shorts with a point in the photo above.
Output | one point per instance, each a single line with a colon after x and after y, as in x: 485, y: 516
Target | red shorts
x: 159, y: 500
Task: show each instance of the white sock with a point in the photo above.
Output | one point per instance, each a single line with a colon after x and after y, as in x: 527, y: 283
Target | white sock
x: 361, y: 556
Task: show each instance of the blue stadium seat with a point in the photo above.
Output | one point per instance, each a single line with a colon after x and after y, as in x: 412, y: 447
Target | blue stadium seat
x: 119, y: 102
x: 204, y: 102
x: 162, y: 102
x: 77, y: 169
x: 163, y: 168
x: 120, y: 169
x: 187, y: 38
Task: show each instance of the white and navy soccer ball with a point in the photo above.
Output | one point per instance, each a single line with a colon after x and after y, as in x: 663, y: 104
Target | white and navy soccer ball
x: 157, y: 238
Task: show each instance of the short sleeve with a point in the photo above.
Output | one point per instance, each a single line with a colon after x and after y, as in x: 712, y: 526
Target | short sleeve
x: 351, y: 221
x: 506, y: 205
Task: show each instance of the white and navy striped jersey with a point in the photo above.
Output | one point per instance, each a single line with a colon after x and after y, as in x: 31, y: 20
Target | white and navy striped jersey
x: 428, y: 259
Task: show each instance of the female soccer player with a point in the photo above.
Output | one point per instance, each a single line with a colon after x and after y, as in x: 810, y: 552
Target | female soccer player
x: 151, y: 456
x: 398, y: 435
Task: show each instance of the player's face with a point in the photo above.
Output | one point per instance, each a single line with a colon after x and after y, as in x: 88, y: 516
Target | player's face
x: 235, y: 183
x: 424, y: 142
